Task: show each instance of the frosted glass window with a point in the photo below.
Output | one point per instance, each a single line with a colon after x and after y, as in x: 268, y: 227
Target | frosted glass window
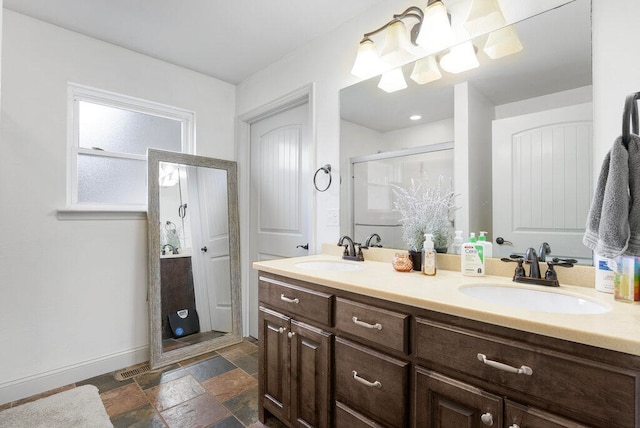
x: 118, y: 130
x: 106, y: 180
x: 110, y: 137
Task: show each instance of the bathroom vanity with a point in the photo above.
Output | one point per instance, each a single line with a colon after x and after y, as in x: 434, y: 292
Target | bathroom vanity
x: 373, y: 347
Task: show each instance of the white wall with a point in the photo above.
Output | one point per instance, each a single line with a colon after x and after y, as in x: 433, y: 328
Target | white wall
x: 616, y: 62
x: 73, y: 293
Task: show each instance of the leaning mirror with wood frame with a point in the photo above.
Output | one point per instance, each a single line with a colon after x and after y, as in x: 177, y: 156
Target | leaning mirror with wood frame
x: 194, y: 256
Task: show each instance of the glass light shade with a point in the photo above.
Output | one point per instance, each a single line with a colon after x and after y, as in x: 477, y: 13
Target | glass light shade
x: 484, y: 16
x: 396, y: 50
x: 460, y: 58
x: 502, y: 42
x: 436, y: 32
x: 367, y: 62
x: 425, y: 70
x: 392, y: 80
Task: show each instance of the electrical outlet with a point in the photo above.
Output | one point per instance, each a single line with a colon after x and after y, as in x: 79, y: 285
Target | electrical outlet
x: 333, y: 217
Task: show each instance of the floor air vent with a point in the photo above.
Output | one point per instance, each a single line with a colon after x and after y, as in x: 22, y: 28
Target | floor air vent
x: 132, y: 371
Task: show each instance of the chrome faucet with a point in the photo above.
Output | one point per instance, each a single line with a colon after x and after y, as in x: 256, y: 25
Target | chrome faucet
x: 544, y: 250
x: 350, y: 249
x: 367, y: 243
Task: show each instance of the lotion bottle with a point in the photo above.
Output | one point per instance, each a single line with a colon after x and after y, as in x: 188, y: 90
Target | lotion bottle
x: 487, y: 245
x: 457, y: 243
x: 428, y: 256
x: 472, y: 257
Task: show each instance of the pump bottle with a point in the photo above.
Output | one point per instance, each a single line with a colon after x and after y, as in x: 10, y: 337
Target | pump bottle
x: 486, y: 245
x: 472, y: 257
x: 457, y: 243
x: 428, y: 256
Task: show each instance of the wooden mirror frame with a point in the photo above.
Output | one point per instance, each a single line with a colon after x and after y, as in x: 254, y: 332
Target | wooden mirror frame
x: 158, y: 357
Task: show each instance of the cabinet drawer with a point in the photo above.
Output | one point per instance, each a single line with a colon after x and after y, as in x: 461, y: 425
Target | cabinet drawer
x: 377, y: 325
x: 295, y: 300
x: 372, y: 383
x: 349, y: 418
x: 584, y: 387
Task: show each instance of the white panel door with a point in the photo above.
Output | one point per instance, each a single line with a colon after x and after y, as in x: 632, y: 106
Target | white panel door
x: 542, y: 181
x: 214, y: 222
x: 280, y: 192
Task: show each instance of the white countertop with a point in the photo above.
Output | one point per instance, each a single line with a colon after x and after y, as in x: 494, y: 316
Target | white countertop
x: 618, y: 329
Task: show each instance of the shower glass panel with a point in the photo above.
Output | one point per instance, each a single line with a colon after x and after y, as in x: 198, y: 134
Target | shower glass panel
x: 374, y: 178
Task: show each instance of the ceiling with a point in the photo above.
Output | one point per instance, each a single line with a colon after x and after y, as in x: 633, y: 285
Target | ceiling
x: 226, y: 39
x: 556, y: 57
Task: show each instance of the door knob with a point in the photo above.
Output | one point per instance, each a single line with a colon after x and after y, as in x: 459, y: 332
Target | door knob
x: 203, y: 249
x: 500, y: 241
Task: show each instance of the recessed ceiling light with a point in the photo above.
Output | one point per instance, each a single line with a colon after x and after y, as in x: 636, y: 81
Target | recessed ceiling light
x: 415, y: 117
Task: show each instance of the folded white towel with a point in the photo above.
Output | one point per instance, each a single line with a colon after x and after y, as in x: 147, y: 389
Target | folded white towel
x: 613, y: 223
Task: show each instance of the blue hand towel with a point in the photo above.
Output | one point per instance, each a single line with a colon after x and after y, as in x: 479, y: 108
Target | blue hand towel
x: 613, y: 223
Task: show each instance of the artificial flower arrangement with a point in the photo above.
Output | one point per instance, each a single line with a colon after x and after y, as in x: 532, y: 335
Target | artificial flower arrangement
x: 425, y: 209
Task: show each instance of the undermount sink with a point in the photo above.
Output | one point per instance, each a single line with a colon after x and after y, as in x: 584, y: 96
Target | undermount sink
x: 329, y: 265
x: 534, y: 300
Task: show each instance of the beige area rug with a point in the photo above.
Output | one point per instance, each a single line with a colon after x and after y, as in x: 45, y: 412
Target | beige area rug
x: 77, y: 407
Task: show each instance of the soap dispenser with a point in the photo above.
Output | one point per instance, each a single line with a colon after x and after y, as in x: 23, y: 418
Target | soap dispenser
x: 457, y: 243
x: 428, y: 256
x: 486, y: 245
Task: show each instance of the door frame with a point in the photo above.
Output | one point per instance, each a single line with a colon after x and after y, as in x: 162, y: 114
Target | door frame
x: 295, y: 98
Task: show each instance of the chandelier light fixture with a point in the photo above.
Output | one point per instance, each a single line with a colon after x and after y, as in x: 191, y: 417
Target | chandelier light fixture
x: 429, y: 34
x: 392, y: 80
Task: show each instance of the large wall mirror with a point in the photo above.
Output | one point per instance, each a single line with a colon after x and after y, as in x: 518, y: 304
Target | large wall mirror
x: 550, y: 184
x: 194, y: 260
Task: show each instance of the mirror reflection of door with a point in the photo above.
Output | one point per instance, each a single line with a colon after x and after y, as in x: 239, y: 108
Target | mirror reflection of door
x: 280, y: 192
x: 195, y: 262
x: 214, y: 298
x: 542, y: 181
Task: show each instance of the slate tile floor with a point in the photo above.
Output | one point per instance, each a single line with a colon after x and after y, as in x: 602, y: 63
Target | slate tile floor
x: 215, y: 390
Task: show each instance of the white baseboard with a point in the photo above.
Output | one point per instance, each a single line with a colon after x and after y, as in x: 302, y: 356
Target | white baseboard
x: 42, y: 382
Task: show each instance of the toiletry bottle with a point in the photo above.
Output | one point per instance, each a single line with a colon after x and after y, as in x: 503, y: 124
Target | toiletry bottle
x: 457, y: 243
x: 428, y: 256
x: 472, y: 257
x: 487, y: 245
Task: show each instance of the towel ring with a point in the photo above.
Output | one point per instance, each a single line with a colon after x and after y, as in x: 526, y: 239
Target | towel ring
x: 327, y: 170
x: 630, y: 114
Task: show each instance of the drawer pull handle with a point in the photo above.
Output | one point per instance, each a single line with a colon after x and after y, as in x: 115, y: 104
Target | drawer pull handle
x: 500, y: 366
x: 289, y: 300
x: 377, y: 325
x: 375, y: 384
x: 487, y: 419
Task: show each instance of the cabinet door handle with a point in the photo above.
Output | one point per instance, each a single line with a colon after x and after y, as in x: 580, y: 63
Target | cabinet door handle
x: 377, y: 325
x: 514, y: 426
x: 281, y: 330
x: 500, y: 366
x: 487, y: 419
x: 288, y: 299
x: 375, y: 384
x: 290, y: 334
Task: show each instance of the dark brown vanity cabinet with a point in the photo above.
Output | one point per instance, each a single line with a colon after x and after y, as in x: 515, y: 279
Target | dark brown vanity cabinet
x: 358, y: 361
x: 295, y: 356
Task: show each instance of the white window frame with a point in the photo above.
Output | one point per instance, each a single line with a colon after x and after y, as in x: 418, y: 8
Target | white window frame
x: 77, y: 93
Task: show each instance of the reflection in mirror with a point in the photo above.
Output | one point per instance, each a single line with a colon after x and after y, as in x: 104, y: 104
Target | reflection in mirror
x: 374, y: 178
x: 552, y: 72
x: 194, y: 298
